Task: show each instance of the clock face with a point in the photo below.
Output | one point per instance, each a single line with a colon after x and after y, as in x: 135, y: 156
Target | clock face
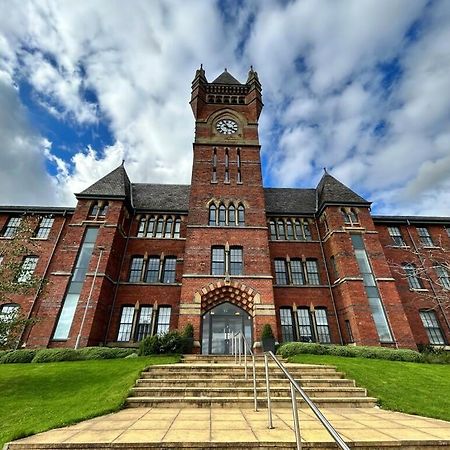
x: 227, y: 126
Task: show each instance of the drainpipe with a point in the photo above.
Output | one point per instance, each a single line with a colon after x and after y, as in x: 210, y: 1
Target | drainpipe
x: 329, y: 284
x: 27, y: 329
x: 419, y: 255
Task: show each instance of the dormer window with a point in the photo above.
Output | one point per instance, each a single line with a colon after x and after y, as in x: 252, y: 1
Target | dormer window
x: 350, y: 216
x: 98, y: 210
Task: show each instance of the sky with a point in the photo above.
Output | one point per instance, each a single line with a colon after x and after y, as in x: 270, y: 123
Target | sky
x: 361, y: 87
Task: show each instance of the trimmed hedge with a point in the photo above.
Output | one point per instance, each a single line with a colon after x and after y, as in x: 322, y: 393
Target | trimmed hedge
x: 105, y: 352
x: 55, y: 355
x: 63, y: 354
x: 298, y: 348
x: 17, y: 356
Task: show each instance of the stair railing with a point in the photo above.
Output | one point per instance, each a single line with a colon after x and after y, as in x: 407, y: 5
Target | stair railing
x: 294, y: 389
x: 239, y: 342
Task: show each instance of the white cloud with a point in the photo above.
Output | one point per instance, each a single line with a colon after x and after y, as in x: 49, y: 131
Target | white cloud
x: 318, y: 62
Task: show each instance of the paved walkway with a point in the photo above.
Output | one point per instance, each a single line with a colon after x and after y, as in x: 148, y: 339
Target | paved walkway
x: 211, y: 425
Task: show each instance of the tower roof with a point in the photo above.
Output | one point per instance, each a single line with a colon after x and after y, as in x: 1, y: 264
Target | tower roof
x: 115, y: 184
x: 332, y: 191
x: 225, y: 78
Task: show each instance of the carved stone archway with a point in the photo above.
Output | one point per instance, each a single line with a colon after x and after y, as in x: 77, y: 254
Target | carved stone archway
x: 234, y: 292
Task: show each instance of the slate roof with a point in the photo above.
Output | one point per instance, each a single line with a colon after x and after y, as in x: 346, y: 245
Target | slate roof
x: 412, y: 219
x: 290, y: 201
x: 332, y: 191
x: 161, y: 197
x: 225, y: 78
x: 115, y: 184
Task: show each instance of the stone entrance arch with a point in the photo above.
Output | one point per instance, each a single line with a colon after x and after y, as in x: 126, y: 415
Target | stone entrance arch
x: 219, y: 321
x: 234, y: 292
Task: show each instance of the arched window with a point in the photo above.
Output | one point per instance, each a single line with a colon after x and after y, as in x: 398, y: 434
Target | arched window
x: 346, y: 216
x: 222, y: 215
x: 241, y: 215
x: 231, y: 215
x: 281, y: 231
x: 353, y: 216
x: 290, y: 230
x: 141, y: 228
x: 159, y: 228
x: 176, y: 230
x: 273, y: 230
x: 151, y: 227
x: 212, y: 214
x: 168, y: 228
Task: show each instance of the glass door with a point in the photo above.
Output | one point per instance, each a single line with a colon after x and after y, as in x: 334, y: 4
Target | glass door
x: 220, y: 324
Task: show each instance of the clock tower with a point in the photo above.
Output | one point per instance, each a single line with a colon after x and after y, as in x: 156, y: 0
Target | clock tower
x: 227, y: 281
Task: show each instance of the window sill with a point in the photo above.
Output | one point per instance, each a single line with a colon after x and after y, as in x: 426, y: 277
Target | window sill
x: 431, y: 247
x: 7, y: 237
x: 143, y: 283
x: 300, y: 285
x: 418, y: 290
x: 405, y: 247
x: 38, y: 239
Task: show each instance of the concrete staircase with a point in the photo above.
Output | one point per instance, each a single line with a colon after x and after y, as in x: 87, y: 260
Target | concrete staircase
x: 206, y: 381
x: 206, y: 403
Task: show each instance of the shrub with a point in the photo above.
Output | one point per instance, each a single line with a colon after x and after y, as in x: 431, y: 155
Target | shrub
x: 56, y: 354
x: 17, y: 356
x: 188, y: 338
x: 150, y: 346
x: 434, y: 355
x: 267, y: 332
x: 172, y: 342
x: 298, y: 348
x: 104, y: 352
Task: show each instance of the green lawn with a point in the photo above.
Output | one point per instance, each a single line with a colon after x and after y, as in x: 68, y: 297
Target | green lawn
x: 413, y: 388
x: 37, y: 397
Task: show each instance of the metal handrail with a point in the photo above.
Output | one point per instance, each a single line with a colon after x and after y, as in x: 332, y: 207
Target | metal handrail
x: 236, y: 350
x: 296, y: 388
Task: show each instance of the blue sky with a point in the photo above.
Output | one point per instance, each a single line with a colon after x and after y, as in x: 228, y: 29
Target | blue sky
x: 360, y: 87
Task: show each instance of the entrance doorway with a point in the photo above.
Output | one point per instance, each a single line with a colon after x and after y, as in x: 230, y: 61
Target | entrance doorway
x: 219, y: 326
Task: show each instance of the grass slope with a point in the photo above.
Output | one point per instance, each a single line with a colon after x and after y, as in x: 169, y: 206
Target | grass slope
x: 422, y: 389
x: 37, y: 397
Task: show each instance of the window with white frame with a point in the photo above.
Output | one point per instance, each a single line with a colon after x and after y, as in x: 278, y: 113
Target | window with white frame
x: 12, y: 227
x: 43, y: 230
x: 227, y: 261
x: 126, y: 324
x: 296, y: 271
x: 424, y: 236
x: 231, y: 215
x: 163, y: 323
x: 432, y: 327
x: 287, y: 325
x: 412, y: 276
x: 443, y: 276
x: 138, y: 322
x: 153, y: 269
x: 289, y: 229
x: 29, y: 264
x: 350, y: 216
x: 396, y: 236
x: 98, y: 209
x: 323, y: 330
x: 305, y: 326
x: 161, y: 227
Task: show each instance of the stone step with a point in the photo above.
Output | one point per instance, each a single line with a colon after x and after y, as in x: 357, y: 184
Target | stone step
x: 235, y: 375
x: 375, y: 445
x: 246, y: 402
x: 189, y: 391
x: 260, y: 382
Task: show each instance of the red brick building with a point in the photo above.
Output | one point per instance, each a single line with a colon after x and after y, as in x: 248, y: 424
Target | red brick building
x: 226, y: 254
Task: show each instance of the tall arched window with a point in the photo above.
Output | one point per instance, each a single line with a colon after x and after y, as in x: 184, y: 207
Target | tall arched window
x: 168, y: 228
x: 176, y: 230
x: 231, y: 215
x: 241, y: 215
x: 212, y: 214
x: 222, y: 215
x: 281, y: 231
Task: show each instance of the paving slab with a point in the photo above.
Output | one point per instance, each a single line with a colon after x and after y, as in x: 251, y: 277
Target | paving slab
x: 212, y: 426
